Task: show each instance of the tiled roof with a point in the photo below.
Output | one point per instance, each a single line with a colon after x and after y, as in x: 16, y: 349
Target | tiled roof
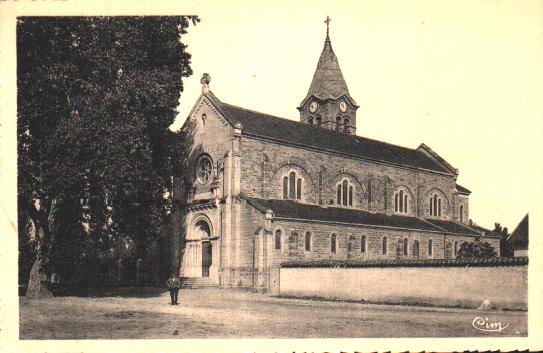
x: 453, y: 227
x: 462, y: 189
x: 295, y: 210
x: 498, y: 261
x: 293, y: 132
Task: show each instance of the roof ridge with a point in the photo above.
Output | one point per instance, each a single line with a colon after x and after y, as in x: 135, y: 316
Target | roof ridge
x: 318, y: 127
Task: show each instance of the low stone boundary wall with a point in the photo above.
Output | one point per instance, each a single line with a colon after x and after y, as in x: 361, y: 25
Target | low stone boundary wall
x: 503, y: 282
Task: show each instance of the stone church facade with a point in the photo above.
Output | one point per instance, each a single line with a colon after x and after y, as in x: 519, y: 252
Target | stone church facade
x: 260, y: 190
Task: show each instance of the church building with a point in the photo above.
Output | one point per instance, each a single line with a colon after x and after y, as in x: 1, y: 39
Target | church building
x: 259, y: 190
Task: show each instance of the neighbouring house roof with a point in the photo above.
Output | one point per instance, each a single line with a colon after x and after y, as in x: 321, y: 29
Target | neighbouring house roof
x: 289, y: 209
x: 462, y: 190
x: 519, y: 238
x: 293, y: 132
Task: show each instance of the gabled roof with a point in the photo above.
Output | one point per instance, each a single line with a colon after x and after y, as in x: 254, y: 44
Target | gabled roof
x: 453, y: 227
x: 296, y: 133
x: 519, y: 238
x: 328, y: 81
x: 462, y: 190
x: 289, y: 209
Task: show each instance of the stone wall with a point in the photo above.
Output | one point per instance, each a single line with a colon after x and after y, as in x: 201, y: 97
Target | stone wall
x: 349, y: 242
x: 504, y: 286
x: 263, y: 164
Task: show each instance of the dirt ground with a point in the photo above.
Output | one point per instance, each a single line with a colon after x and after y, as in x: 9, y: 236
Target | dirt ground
x: 220, y: 313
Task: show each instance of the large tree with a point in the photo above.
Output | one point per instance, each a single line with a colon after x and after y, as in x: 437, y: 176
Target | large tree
x: 96, y: 96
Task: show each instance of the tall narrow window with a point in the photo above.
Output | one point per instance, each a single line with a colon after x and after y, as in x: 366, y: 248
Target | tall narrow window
x: 338, y: 123
x: 455, y: 248
x: 285, y: 187
x: 416, y: 249
x: 278, y: 239
x: 369, y: 191
x: 384, y: 246
x: 310, y: 121
x: 294, y: 239
x: 430, y: 248
x: 461, y: 214
x: 292, y: 185
x: 405, y: 247
x: 401, y: 201
x: 318, y: 120
x: 344, y: 192
x: 363, y: 244
x: 333, y: 245
x: 436, y: 203
x: 299, y: 189
x: 307, y: 241
x: 346, y: 123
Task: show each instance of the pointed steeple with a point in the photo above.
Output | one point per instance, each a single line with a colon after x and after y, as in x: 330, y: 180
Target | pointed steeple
x: 328, y: 102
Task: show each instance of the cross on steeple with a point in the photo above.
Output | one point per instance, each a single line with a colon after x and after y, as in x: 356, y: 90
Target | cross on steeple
x: 327, y: 21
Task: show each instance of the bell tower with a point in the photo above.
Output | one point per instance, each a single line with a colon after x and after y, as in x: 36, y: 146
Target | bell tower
x: 328, y: 103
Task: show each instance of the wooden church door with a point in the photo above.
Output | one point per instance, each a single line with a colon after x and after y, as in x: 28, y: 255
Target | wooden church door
x: 207, y: 253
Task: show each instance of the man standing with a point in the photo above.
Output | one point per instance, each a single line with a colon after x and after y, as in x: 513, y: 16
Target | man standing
x: 174, y: 283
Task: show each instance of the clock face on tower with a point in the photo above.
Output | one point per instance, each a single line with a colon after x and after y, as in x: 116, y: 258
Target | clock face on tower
x: 313, y: 107
x: 343, y: 106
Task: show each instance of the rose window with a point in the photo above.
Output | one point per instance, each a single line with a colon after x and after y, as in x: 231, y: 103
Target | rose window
x: 204, y: 170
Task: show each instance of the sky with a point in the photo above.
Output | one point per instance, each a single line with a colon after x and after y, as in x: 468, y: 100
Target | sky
x: 464, y: 77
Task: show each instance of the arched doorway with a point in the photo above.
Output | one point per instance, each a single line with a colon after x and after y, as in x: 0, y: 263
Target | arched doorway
x: 203, y: 231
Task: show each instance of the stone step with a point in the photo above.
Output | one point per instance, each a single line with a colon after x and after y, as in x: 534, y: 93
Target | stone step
x: 197, y: 282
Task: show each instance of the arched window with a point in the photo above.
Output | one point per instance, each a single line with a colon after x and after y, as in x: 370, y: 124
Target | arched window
x: 461, y: 214
x: 430, y: 248
x: 401, y: 201
x: 204, y: 169
x: 346, y: 125
x: 345, y: 191
x: 405, y: 247
x: 307, y: 241
x: 294, y: 238
x: 204, y: 118
x: 278, y: 239
x: 318, y: 120
x: 333, y: 243
x: 416, y: 249
x: 310, y: 121
x: 363, y: 244
x: 292, y: 186
x: 384, y: 246
x: 435, y: 205
x: 338, y: 123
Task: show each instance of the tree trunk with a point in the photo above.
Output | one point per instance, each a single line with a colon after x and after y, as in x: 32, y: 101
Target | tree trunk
x: 37, y: 283
x: 43, y: 218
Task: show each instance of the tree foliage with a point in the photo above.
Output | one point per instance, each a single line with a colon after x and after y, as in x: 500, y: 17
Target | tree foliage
x: 476, y: 251
x: 96, y: 96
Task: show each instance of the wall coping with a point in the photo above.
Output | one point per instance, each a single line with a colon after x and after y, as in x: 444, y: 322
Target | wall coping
x: 494, y: 262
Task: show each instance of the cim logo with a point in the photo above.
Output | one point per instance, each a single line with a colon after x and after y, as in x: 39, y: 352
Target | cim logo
x: 485, y: 325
